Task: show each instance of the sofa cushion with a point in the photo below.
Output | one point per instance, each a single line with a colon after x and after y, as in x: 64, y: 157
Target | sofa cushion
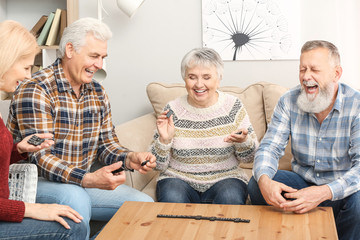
x: 271, y: 95
x: 160, y: 94
x: 137, y: 135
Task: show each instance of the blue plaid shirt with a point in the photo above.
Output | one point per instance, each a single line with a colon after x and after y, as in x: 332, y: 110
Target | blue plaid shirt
x: 322, y: 154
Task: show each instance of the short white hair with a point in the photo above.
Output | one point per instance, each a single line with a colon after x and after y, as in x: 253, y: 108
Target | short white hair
x: 77, y: 32
x: 334, y: 55
x: 202, y: 56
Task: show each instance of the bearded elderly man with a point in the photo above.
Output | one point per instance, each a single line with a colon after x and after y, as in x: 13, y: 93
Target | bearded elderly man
x: 322, y: 117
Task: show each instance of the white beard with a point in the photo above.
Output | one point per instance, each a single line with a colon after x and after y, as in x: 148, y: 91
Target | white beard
x: 316, y: 104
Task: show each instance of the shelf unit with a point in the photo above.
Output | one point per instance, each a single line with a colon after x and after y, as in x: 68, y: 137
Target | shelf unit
x: 72, y: 7
x: 27, y: 12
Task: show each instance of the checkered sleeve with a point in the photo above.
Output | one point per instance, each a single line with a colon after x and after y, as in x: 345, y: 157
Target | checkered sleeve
x: 110, y: 150
x: 32, y: 112
x: 273, y: 144
x: 349, y: 183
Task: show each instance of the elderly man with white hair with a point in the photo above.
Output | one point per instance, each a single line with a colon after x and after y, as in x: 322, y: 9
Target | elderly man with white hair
x: 63, y: 99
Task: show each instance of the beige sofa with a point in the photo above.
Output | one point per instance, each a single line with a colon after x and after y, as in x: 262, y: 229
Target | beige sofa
x: 259, y: 99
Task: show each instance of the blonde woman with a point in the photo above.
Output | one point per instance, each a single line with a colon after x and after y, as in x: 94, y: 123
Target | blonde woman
x: 19, y: 219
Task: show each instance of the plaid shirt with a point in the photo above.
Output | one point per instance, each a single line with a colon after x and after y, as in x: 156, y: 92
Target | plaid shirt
x: 322, y: 154
x: 82, y: 127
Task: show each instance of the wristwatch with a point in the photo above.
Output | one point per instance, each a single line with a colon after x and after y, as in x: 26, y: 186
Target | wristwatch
x: 126, y: 168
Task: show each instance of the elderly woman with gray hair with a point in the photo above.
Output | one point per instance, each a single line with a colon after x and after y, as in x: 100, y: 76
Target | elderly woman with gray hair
x: 202, y: 137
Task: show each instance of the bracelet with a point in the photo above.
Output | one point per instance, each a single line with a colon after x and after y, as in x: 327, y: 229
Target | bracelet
x: 126, y: 168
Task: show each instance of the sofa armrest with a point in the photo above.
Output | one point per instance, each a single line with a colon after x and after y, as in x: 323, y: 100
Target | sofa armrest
x: 23, y: 182
x: 137, y: 135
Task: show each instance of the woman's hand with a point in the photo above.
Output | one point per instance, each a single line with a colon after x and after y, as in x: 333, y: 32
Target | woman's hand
x: 237, y: 136
x: 52, y: 212
x: 24, y: 146
x: 165, y: 127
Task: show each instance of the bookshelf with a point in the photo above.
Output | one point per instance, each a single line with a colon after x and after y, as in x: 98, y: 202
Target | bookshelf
x: 28, y: 12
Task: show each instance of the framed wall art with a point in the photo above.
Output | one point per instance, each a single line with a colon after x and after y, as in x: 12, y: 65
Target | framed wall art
x: 252, y: 29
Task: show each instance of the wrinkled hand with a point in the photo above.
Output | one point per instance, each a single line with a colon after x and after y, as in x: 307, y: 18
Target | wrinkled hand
x: 235, y: 137
x: 103, y: 178
x: 24, y: 146
x: 165, y: 127
x: 134, y: 160
x: 307, y: 199
x: 52, y: 212
x: 271, y: 191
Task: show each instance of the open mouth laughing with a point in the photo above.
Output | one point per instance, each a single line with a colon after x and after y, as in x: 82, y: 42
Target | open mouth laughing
x: 89, y: 71
x: 310, y: 86
x: 200, y: 91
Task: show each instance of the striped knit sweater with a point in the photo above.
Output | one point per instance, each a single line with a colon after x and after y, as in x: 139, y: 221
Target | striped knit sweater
x: 198, y: 153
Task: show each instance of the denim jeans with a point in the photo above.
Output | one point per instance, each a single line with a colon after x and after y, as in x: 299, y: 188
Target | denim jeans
x: 90, y: 203
x: 31, y: 229
x: 346, y: 211
x: 228, y: 191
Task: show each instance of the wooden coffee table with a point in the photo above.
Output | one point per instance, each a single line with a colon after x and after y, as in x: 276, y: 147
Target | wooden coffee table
x: 138, y: 220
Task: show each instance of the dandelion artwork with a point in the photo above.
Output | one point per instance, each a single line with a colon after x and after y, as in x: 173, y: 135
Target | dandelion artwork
x: 252, y: 29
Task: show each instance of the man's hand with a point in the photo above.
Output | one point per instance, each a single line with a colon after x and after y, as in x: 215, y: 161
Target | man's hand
x: 271, y: 191
x: 103, y: 178
x: 24, y: 146
x: 307, y: 199
x: 134, y: 160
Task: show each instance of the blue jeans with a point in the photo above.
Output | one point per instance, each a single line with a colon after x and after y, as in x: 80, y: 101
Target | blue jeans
x: 31, y: 229
x: 346, y: 211
x: 90, y: 203
x: 228, y: 191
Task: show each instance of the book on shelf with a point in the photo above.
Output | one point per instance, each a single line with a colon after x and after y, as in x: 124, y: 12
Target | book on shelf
x: 38, y: 60
x: 54, y: 29
x: 35, y: 69
x: 45, y: 31
x: 39, y: 25
x: 63, y: 24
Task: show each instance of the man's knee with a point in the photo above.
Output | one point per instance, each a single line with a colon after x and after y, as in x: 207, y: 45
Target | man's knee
x: 255, y: 193
x: 61, y: 192
x: 353, y: 205
x: 66, y: 194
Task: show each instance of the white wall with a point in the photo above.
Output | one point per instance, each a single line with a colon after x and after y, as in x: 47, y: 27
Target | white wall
x: 28, y: 12
x: 3, y: 14
x: 150, y: 46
